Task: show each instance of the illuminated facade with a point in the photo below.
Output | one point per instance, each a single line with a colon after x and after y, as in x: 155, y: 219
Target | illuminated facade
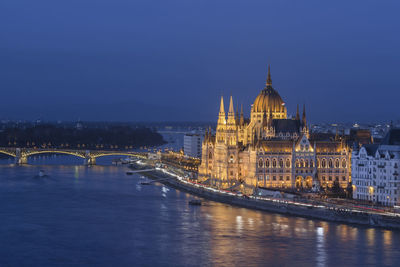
x: 192, y: 145
x: 375, y: 171
x: 269, y: 149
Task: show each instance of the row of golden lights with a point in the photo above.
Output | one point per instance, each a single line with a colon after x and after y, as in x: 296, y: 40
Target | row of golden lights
x: 44, y: 145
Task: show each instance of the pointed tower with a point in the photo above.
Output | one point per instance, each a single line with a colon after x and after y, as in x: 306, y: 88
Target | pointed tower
x: 241, y: 122
x: 231, y: 114
x: 304, y: 121
x: 221, y: 125
x: 237, y: 114
x: 269, y: 80
x: 297, y: 113
x: 231, y: 128
x: 221, y: 115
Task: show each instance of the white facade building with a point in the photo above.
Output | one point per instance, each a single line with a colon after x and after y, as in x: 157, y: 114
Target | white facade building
x: 192, y: 145
x: 375, y: 171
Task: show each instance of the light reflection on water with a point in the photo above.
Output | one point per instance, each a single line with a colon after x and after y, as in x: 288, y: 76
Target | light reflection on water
x: 321, y: 252
x: 100, y: 216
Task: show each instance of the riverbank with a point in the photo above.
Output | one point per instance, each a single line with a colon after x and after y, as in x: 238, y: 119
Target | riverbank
x: 283, y: 206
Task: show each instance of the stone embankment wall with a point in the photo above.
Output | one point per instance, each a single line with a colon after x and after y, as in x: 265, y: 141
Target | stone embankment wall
x: 341, y: 216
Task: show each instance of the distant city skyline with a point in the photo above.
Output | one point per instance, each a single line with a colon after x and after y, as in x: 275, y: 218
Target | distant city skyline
x: 172, y: 60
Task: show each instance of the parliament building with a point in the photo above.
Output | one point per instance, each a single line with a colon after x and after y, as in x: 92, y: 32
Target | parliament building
x: 270, y: 150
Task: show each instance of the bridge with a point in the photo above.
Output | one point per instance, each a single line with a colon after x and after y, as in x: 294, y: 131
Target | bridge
x: 21, y: 154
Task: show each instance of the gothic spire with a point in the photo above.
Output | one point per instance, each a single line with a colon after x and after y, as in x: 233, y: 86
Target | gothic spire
x: 304, y: 115
x: 269, y: 80
x: 221, y: 115
x: 221, y: 107
x: 231, y: 113
x: 297, y: 113
x: 241, y: 115
x: 237, y: 113
x: 231, y: 110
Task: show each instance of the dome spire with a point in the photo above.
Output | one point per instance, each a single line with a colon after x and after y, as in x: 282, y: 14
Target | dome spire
x: 269, y: 80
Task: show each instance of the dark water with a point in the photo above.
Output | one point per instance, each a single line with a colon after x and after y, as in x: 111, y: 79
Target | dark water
x: 99, y: 216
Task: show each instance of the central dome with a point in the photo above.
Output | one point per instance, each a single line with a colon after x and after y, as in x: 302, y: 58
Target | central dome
x: 268, y: 100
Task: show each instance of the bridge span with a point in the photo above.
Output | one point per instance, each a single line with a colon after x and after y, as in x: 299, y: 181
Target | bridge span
x: 21, y: 154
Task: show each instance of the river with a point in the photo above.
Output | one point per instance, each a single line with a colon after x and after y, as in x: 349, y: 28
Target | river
x: 99, y: 216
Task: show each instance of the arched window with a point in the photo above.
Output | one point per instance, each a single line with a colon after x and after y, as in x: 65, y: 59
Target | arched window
x: 323, y: 163
x: 231, y: 159
x: 312, y: 165
x: 330, y: 163
x: 337, y: 163
x: 343, y: 163
x: 260, y: 163
x: 297, y: 163
x: 306, y: 163
x: 274, y: 163
x: 318, y: 163
x: 281, y: 163
x: 210, y: 155
x: 287, y: 163
x: 302, y: 163
x: 267, y: 163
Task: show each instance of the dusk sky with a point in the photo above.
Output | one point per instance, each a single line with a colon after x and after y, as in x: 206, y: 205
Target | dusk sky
x: 153, y: 60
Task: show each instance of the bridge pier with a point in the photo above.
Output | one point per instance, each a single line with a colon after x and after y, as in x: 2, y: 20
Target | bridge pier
x: 90, y: 161
x: 21, y: 160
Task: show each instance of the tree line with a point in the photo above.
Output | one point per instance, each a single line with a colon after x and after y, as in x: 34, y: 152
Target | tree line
x: 53, y: 136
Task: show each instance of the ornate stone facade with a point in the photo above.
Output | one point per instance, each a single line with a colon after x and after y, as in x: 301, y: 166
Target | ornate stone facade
x: 270, y: 150
x: 375, y: 171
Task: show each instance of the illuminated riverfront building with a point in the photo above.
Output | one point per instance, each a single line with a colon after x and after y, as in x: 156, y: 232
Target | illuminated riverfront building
x: 192, y: 145
x: 270, y: 150
x: 375, y: 171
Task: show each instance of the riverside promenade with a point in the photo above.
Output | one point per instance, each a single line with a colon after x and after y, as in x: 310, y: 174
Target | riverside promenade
x: 300, y: 208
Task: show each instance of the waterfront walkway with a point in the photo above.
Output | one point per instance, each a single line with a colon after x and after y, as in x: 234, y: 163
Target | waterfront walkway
x: 321, y: 210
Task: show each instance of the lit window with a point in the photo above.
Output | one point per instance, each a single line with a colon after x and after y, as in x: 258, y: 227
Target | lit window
x: 281, y: 163
x: 287, y: 163
x: 260, y: 163
x: 343, y: 163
